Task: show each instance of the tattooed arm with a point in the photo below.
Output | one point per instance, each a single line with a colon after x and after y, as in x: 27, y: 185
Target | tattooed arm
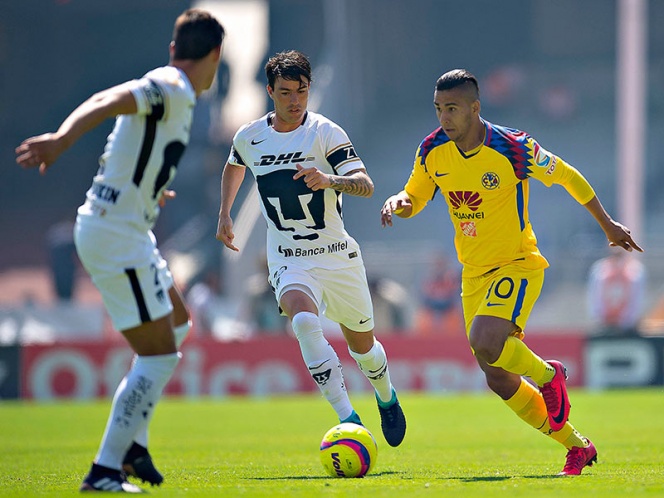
x: 356, y: 182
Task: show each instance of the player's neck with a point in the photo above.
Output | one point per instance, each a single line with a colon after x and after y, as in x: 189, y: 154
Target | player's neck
x: 474, y: 139
x: 283, y: 126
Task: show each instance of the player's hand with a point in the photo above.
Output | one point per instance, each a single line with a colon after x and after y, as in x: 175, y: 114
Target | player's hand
x: 167, y: 195
x: 314, y: 178
x: 398, y: 204
x: 620, y: 236
x: 40, y: 151
x: 225, y: 232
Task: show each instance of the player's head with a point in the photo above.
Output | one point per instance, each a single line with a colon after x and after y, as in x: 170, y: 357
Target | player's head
x: 195, y: 34
x: 290, y: 65
x: 196, y: 46
x: 457, y: 103
x: 288, y: 81
x: 459, y: 78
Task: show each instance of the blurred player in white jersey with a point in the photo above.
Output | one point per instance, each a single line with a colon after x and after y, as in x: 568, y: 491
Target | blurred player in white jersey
x: 113, y: 231
x: 302, y: 163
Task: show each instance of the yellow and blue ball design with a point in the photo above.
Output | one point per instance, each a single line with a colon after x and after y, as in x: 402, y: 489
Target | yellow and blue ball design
x: 348, y: 450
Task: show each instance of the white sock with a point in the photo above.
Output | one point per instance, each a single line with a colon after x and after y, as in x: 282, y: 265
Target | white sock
x: 141, y: 438
x: 373, y: 365
x: 134, y: 401
x: 322, y: 361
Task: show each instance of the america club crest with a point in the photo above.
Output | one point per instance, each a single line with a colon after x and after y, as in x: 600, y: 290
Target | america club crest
x: 490, y: 180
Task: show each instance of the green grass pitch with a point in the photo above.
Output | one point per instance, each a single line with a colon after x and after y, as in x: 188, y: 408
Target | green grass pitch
x: 458, y: 445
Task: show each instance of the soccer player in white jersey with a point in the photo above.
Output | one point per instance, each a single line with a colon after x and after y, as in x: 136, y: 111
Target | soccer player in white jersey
x: 113, y: 231
x: 302, y: 163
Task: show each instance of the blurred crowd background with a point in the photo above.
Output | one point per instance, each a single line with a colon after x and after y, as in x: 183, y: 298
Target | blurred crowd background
x: 548, y: 68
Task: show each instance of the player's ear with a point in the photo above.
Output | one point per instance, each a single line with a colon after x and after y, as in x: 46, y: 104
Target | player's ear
x: 270, y: 90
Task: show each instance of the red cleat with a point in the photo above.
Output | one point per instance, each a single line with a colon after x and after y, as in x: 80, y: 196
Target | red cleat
x: 578, y: 458
x: 555, y: 397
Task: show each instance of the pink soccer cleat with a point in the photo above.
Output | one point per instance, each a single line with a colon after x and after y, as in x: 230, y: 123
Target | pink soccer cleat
x: 555, y: 397
x: 578, y: 458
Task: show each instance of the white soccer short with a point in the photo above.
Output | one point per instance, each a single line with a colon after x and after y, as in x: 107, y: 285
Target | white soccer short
x: 129, y: 272
x: 341, y: 295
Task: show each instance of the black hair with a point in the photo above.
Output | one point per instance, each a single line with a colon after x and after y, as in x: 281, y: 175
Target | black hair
x: 195, y: 34
x: 290, y: 65
x: 458, y: 77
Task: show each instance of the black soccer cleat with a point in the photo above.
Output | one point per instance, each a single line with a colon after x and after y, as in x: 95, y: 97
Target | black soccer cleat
x: 101, y: 479
x: 138, y: 463
x: 392, y: 421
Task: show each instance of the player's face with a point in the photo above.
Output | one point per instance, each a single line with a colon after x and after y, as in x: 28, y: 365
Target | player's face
x: 457, y: 111
x: 212, y: 66
x: 290, y: 101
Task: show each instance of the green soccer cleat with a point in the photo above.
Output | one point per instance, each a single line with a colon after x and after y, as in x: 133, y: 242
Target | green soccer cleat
x: 392, y: 420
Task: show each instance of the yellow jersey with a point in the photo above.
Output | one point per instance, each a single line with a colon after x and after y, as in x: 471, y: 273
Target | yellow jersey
x: 487, y: 194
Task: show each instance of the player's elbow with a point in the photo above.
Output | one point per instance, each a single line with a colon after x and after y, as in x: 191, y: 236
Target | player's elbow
x: 370, y: 188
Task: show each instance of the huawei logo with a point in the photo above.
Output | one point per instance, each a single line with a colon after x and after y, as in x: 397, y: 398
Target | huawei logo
x: 463, y: 198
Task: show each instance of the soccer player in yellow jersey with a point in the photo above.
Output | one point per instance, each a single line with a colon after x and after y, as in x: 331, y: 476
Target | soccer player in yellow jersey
x: 482, y: 170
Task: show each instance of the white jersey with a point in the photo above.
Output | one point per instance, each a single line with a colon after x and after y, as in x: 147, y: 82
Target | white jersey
x: 305, y: 227
x: 141, y: 154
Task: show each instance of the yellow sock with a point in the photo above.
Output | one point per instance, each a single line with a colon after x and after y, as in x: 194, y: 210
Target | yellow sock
x: 517, y: 358
x: 529, y: 405
x: 572, y: 439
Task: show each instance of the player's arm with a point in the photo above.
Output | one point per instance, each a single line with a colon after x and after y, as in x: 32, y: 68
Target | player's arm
x: 44, y: 150
x: 356, y: 182
x: 616, y: 233
x: 231, y: 180
x: 399, y: 204
x: 580, y: 189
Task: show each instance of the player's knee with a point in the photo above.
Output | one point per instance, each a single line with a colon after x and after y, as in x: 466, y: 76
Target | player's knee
x: 306, y: 325
x: 481, y: 343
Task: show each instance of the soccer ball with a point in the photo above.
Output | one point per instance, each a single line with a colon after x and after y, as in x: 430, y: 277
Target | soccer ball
x: 348, y: 450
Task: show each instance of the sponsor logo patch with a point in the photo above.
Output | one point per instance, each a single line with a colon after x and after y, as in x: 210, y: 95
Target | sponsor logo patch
x: 468, y: 228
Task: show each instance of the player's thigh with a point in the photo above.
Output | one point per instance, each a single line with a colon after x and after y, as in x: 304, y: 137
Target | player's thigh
x: 308, y: 293
x: 508, y: 293
x: 347, y: 298
x: 131, y: 276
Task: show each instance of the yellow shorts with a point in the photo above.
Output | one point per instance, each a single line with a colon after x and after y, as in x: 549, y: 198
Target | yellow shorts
x: 509, y: 292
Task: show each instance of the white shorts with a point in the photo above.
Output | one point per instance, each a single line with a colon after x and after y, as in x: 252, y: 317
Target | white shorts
x: 341, y: 295
x: 129, y: 272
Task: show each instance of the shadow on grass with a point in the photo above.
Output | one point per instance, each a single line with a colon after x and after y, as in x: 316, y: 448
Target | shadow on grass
x: 312, y: 478
x: 499, y: 478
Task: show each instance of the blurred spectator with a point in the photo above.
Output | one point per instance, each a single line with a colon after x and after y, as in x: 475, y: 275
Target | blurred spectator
x: 62, y: 257
x: 558, y: 102
x: 653, y: 321
x: 616, y: 293
x: 504, y: 85
x: 261, y: 310
x: 389, y: 303
x: 440, y: 301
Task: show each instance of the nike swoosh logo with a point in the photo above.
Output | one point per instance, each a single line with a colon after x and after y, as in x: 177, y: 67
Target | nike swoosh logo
x: 495, y: 304
x: 316, y: 367
x: 558, y: 419
x: 254, y: 142
x: 362, y: 322
x: 382, y: 367
x: 440, y: 174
